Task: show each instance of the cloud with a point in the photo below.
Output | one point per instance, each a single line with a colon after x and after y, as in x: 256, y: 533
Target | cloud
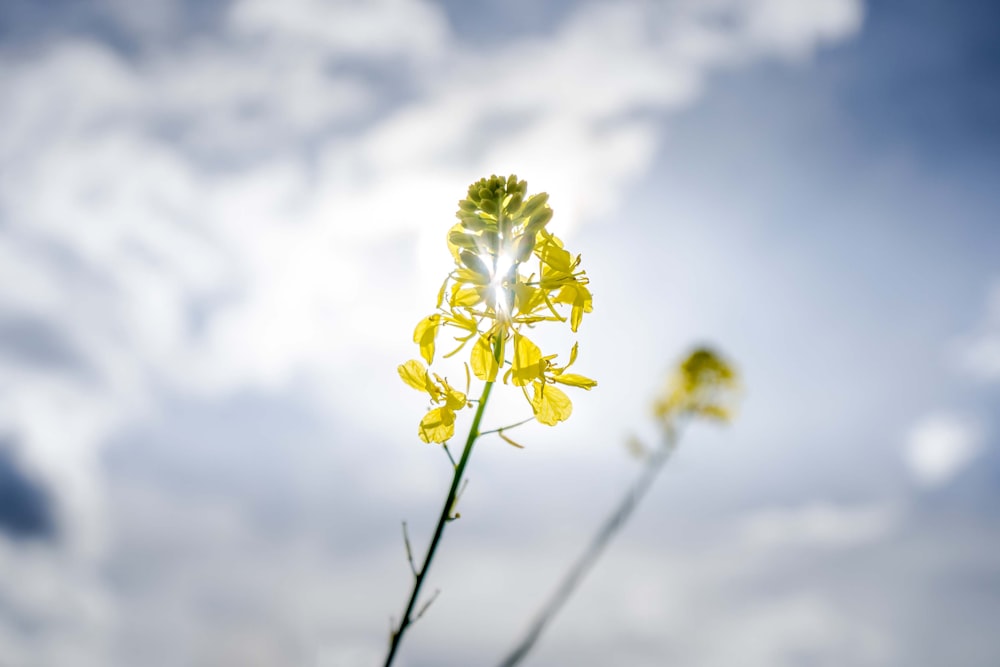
x: 940, y: 446
x: 819, y: 525
x: 793, y: 28
x: 978, y: 355
x: 204, y: 219
x: 246, y: 210
x: 401, y: 30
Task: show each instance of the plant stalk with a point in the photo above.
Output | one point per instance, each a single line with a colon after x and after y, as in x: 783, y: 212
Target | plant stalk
x: 597, y: 545
x: 406, y: 620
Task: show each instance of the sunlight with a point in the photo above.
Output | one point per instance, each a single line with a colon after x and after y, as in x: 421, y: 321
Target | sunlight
x: 502, y: 295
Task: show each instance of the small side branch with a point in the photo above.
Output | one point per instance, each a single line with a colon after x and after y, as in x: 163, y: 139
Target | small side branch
x: 427, y: 604
x: 409, y: 551
x: 509, y: 426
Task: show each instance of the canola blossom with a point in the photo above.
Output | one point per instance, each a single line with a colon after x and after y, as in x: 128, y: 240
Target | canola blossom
x: 703, y: 385
x: 510, y: 275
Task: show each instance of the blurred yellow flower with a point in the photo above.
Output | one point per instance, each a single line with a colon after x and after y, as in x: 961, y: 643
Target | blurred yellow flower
x: 704, y: 385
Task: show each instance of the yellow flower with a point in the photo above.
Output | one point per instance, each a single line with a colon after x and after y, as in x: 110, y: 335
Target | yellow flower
x: 438, y: 425
x: 550, y: 404
x: 704, y: 384
x: 510, y: 274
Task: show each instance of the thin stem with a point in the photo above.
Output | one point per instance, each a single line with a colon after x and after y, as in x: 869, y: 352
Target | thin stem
x: 509, y: 427
x: 409, y: 550
x: 450, y: 457
x: 406, y: 620
x: 586, y: 561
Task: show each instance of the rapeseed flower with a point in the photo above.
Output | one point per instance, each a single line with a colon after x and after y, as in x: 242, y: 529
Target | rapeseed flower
x: 703, y: 385
x: 510, y: 274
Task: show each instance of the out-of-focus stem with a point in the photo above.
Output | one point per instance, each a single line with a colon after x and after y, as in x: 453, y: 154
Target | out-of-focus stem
x: 586, y: 561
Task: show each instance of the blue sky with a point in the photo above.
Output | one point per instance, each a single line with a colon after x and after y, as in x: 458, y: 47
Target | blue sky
x: 220, y: 221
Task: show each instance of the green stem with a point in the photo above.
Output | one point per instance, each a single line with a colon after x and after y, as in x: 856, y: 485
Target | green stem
x: 509, y: 426
x: 406, y: 620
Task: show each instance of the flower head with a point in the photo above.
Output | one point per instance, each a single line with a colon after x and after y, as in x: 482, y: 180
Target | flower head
x: 510, y: 274
x: 704, y: 385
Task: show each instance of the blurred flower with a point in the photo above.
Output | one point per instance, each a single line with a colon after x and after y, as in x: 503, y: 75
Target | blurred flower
x: 703, y: 385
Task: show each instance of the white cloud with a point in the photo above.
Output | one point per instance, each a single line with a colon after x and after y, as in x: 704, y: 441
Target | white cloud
x: 819, y: 525
x: 404, y: 29
x: 222, y: 217
x: 978, y: 354
x: 116, y: 168
x: 940, y: 446
x: 71, y: 617
x: 792, y: 28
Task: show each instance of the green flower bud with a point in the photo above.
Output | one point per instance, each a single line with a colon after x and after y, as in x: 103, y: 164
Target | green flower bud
x: 538, y: 220
x: 471, y: 221
x: 514, y: 205
x: 489, y: 206
x: 534, y: 203
x: 491, y: 240
x: 463, y: 240
x: 525, y: 246
x: 474, y: 262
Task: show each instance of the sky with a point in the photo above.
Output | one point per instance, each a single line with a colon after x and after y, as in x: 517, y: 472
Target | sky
x: 220, y: 221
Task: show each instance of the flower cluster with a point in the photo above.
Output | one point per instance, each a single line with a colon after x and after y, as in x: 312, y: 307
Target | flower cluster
x: 510, y: 274
x: 703, y: 385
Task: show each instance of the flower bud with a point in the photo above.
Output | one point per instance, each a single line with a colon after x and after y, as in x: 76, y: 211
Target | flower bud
x: 491, y: 240
x: 463, y: 240
x: 474, y: 262
x: 525, y: 246
x: 534, y: 203
x: 538, y: 220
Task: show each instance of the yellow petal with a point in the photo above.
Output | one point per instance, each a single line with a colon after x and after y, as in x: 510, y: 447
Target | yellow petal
x: 454, y: 399
x: 452, y: 247
x: 438, y: 425
x: 528, y: 299
x: 465, y: 296
x: 550, y: 405
x: 414, y: 374
x: 424, y: 336
x: 717, y: 412
x: 444, y: 286
x: 527, y: 363
x: 574, y: 380
x: 556, y: 260
x: 484, y: 364
x: 461, y: 321
x: 572, y: 355
x: 464, y: 275
x: 579, y: 297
